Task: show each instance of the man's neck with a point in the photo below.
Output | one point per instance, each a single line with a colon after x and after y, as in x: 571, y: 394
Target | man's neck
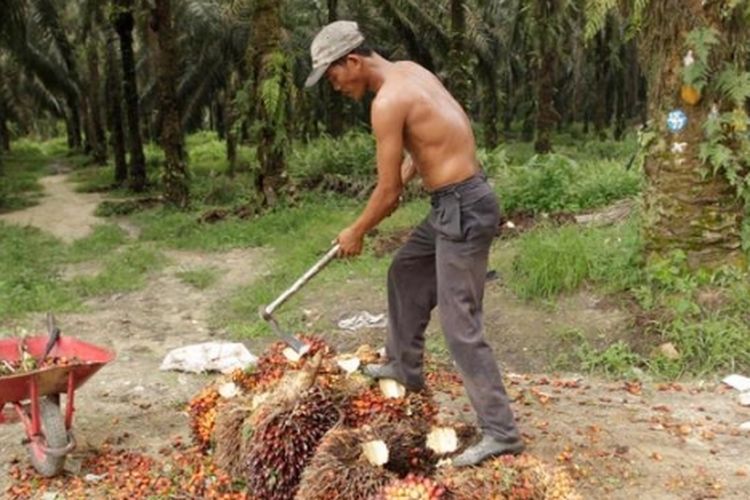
x: 377, y: 67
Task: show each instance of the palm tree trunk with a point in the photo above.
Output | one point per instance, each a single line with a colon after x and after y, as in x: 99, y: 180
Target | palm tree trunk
x: 124, y: 26
x: 688, y: 207
x: 230, y: 114
x: 489, y: 104
x: 546, y: 115
x: 599, y: 114
x: 99, y: 142
x: 73, y: 123
x: 175, y: 178
x: 457, y: 74
x: 88, y: 139
x: 4, y: 132
x: 220, y: 125
x: 270, y: 68
x: 114, y: 108
x: 335, y: 100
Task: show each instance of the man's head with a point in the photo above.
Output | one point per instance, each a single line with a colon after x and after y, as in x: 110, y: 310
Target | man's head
x: 338, y: 52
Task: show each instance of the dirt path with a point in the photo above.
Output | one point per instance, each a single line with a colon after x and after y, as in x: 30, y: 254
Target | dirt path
x: 62, y: 212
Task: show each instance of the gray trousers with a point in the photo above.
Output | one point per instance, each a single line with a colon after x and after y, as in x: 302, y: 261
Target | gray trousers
x: 444, y: 263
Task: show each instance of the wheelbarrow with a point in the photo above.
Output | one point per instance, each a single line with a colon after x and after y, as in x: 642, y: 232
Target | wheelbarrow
x: 35, y: 394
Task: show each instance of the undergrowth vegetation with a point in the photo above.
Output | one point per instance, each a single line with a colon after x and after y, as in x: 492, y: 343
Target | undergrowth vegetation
x: 703, y: 316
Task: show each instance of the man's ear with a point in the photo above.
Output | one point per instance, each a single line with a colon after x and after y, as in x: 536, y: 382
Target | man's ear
x: 355, y: 60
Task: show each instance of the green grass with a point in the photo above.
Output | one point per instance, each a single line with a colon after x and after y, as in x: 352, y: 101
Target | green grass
x: 352, y: 154
x: 616, y: 360
x: 104, y: 239
x: 550, y: 261
x: 199, y: 278
x: 123, y: 271
x: 557, y: 183
x: 31, y: 264
x: 19, y: 175
x: 29, y: 272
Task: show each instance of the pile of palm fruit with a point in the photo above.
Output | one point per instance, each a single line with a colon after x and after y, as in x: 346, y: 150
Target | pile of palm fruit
x: 315, y: 428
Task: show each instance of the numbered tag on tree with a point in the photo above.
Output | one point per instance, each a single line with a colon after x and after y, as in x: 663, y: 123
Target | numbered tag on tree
x: 676, y: 120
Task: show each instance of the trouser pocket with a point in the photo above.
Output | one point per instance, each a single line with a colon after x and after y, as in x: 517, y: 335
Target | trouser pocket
x: 446, y: 217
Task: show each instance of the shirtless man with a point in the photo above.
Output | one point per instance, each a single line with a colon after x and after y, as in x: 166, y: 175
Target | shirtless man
x: 444, y: 262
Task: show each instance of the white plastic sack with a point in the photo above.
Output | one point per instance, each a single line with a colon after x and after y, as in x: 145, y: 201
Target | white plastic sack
x: 739, y: 382
x: 363, y: 319
x: 223, y: 357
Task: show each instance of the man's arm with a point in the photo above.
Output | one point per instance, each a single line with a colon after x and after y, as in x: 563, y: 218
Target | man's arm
x: 388, y: 125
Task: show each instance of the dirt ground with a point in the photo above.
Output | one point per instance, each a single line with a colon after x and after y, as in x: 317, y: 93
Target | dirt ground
x: 618, y: 439
x: 64, y: 213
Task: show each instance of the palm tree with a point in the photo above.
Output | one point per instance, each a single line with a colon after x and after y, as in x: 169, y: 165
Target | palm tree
x: 96, y: 133
x: 270, y: 86
x: 123, y: 23
x: 695, y: 56
x: 175, y: 177
x: 115, y: 118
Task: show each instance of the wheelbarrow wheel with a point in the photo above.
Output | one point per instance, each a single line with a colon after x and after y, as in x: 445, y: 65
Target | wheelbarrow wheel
x: 48, y: 463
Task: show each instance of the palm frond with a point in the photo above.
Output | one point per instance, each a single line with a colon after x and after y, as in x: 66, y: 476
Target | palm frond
x: 47, y: 17
x: 596, y: 15
x: 12, y: 22
x: 52, y: 74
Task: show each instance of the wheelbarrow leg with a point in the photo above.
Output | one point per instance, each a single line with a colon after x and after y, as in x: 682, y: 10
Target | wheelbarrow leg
x: 35, y: 426
x: 69, y: 402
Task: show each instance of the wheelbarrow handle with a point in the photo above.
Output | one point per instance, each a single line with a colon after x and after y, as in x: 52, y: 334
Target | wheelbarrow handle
x: 266, y: 312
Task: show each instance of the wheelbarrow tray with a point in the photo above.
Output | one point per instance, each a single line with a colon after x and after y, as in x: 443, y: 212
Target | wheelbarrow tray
x: 54, y: 379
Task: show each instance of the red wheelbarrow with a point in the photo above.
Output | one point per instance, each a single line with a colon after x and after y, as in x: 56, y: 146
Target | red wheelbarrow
x: 35, y: 394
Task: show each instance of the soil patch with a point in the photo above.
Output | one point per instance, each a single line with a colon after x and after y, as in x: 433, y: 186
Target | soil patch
x: 63, y: 212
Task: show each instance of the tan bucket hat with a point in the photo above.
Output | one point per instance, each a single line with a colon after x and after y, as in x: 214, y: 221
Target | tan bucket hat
x: 332, y: 42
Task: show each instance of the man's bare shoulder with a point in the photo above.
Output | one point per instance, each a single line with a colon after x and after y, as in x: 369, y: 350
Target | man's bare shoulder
x: 393, y: 95
x: 402, y: 85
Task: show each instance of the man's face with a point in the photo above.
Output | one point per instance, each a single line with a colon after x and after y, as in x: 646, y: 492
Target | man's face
x: 347, y: 77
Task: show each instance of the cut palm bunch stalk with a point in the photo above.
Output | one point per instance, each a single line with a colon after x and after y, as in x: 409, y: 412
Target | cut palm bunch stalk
x: 508, y: 477
x: 358, y: 463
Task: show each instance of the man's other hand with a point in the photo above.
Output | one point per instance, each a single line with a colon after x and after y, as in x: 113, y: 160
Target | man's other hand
x: 351, y: 242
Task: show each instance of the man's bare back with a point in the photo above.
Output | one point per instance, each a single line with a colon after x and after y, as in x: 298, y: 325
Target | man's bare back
x: 436, y: 131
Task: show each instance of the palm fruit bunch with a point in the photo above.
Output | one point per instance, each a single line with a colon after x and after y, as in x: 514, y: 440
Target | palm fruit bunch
x: 202, y: 412
x: 507, y: 477
x: 284, y: 441
x: 372, y: 404
x: 358, y: 463
x: 340, y: 468
x: 412, y: 487
x: 228, y: 434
